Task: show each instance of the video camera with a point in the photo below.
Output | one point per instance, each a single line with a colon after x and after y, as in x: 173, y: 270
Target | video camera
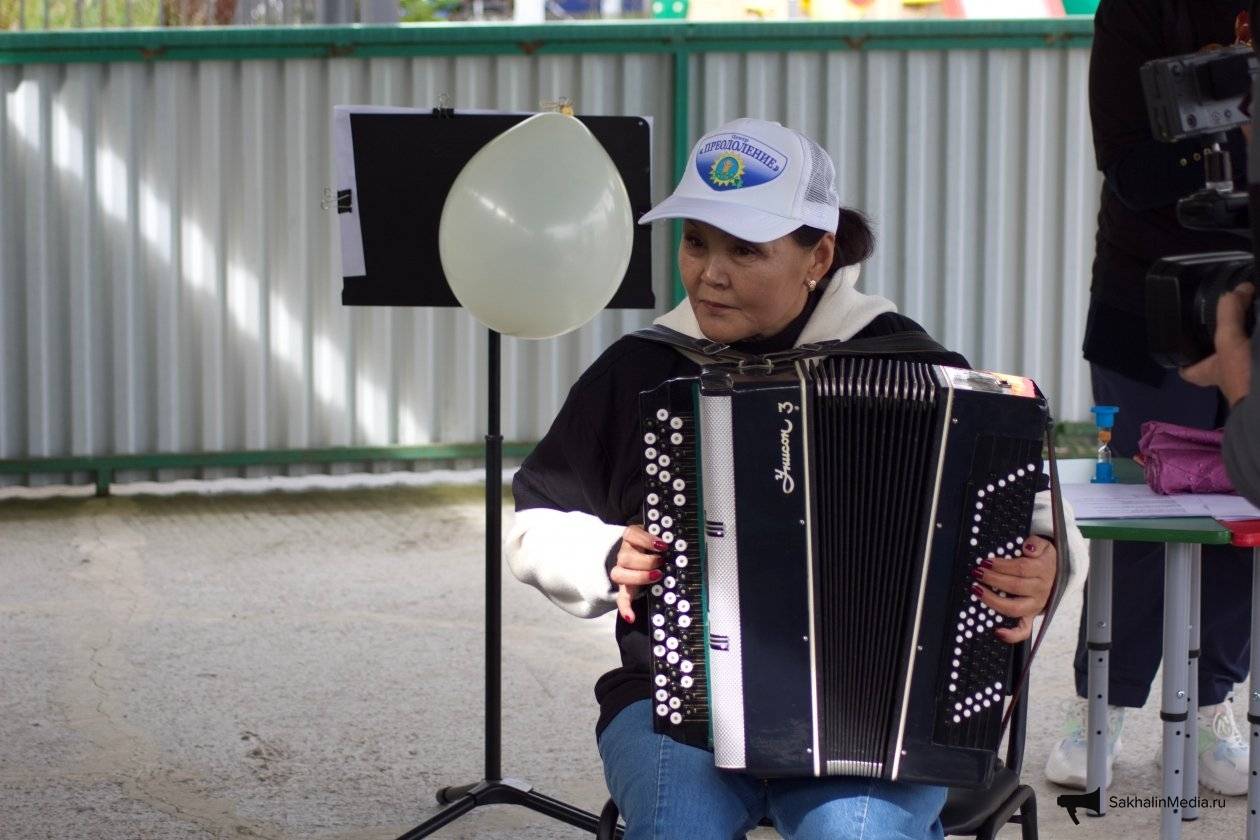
x: 1205, y: 93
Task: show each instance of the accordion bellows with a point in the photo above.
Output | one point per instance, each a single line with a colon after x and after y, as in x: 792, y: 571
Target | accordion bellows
x: 816, y: 616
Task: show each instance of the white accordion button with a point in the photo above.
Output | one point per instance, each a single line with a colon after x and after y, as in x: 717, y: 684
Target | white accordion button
x: 672, y: 657
x: 686, y: 667
x: 670, y: 583
x: 658, y: 634
x: 662, y: 415
x: 663, y: 461
x: 661, y: 680
x: 686, y: 682
x: 662, y: 695
x: 649, y: 438
x: 658, y: 589
x: 662, y: 710
x: 675, y: 703
x: 681, y: 560
x: 650, y: 469
x: 684, y: 621
x: 679, y: 484
x: 671, y: 643
x: 675, y: 423
x: 653, y: 499
x: 680, y: 545
x: 667, y: 522
x: 654, y: 529
x: 665, y: 476
x: 684, y: 605
x: 650, y: 453
x: 675, y: 718
x: 658, y: 651
x: 654, y: 514
x: 676, y: 438
x: 658, y: 619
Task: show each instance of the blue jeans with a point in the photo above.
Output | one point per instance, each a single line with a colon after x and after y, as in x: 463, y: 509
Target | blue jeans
x: 668, y: 790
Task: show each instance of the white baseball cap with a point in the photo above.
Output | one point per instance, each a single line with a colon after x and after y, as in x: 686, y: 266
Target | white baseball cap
x: 756, y: 180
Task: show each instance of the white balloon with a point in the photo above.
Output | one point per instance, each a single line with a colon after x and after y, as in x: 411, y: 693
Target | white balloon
x: 536, y: 231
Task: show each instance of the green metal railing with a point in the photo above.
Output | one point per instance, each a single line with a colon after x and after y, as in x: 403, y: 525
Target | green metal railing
x: 681, y: 41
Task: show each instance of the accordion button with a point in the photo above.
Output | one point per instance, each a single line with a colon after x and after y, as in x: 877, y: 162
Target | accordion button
x: 662, y: 710
x: 672, y: 657
x: 686, y: 681
x: 658, y: 634
x: 676, y: 438
x: 661, y: 680
x: 650, y: 453
x: 681, y: 560
x: 665, y: 476
x: 658, y: 651
x: 667, y: 522
x: 671, y: 643
x: 670, y: 597
x: 658, y: 620
x: 997, y: 686
x: 649, y: 438
x: 653, y: 499
x: 679, y: 484
x: 675, y: 718
x: 953, y: 687
x: 957, y: 719
x: 654, y: 529
x: 651, y: 469
x: 684, y: 605
x: 662, y: 415
x: 670, y: 583
x: 667, y: 536
x: 680, y: 545
x: 654, y: 514
x: 684, y: 621
x: 662, y: 695
x: 675, y: 423
x: 675, y: 703
x: 686, y: 667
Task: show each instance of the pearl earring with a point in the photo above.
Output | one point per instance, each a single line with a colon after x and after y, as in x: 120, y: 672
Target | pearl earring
x: 811, y: 284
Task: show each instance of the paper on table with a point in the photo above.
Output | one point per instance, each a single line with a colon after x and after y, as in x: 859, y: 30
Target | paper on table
x: 1137, y: 501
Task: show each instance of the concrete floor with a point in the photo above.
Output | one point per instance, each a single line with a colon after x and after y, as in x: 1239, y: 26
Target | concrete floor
x: 308, y: 664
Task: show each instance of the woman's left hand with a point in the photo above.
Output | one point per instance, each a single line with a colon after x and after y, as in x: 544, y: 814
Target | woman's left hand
x: 1027, y: 582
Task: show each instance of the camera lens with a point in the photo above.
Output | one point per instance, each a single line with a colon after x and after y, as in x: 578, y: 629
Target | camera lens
x: 1222, y: 278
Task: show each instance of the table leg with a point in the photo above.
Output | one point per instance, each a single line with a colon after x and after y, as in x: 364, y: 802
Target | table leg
x: 1173, y: 707
x: 1191, y: 763
x: 1253, y: 704
x: 1098, y: 644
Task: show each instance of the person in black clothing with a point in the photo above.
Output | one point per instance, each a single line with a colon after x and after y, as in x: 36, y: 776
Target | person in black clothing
x: 769, y: 261
x: 1137, y: 224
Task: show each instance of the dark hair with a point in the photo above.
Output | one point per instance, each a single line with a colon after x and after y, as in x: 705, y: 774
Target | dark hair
x: 855, y: 241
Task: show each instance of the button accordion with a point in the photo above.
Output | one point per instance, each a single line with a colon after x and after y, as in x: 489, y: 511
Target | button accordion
x: 815, y: 616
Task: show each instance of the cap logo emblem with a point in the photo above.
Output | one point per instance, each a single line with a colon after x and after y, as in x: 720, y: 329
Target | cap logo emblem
x: 734, y: 161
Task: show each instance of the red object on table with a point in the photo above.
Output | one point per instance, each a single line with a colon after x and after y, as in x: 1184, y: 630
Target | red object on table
x: 1246, y: 532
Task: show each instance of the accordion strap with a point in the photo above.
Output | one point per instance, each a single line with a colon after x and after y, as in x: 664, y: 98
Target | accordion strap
x: 903, y: 343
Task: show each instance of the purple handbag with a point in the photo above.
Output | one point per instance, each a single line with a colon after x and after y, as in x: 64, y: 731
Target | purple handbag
x: 1179, y: 459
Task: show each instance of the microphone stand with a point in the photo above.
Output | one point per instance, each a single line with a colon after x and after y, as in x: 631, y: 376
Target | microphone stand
x: 494, y: 789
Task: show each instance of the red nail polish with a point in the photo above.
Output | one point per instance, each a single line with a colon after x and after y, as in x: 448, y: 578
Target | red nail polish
x: 986, y: 563
x: 977, y: 590
x: 978, y: 574
x: 659, y: 545
x: 655, y: 575
x: 625, y: 618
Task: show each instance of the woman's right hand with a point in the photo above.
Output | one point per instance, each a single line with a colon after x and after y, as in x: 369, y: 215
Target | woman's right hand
x: 638, y: 565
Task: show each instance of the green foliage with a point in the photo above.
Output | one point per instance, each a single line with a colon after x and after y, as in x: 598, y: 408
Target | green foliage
x: 421, y: 11
x: 77, y: 14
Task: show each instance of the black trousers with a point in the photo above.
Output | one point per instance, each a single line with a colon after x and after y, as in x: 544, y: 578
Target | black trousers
x: 1138, y: 575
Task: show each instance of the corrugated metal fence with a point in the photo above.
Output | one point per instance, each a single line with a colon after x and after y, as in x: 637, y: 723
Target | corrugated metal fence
x: 169, y: 270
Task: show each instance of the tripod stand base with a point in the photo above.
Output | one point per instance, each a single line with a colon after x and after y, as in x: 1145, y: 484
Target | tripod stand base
x: 461, y: 799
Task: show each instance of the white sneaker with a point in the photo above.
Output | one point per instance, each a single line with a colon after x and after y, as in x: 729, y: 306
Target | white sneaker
x: 1068, y: 760
x: 1223, y: 752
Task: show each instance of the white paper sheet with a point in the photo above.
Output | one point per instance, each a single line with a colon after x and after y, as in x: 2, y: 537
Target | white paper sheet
x: 1137, y: 501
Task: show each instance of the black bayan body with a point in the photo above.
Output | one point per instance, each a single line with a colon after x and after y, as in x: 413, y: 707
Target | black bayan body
x: 816, y: 615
